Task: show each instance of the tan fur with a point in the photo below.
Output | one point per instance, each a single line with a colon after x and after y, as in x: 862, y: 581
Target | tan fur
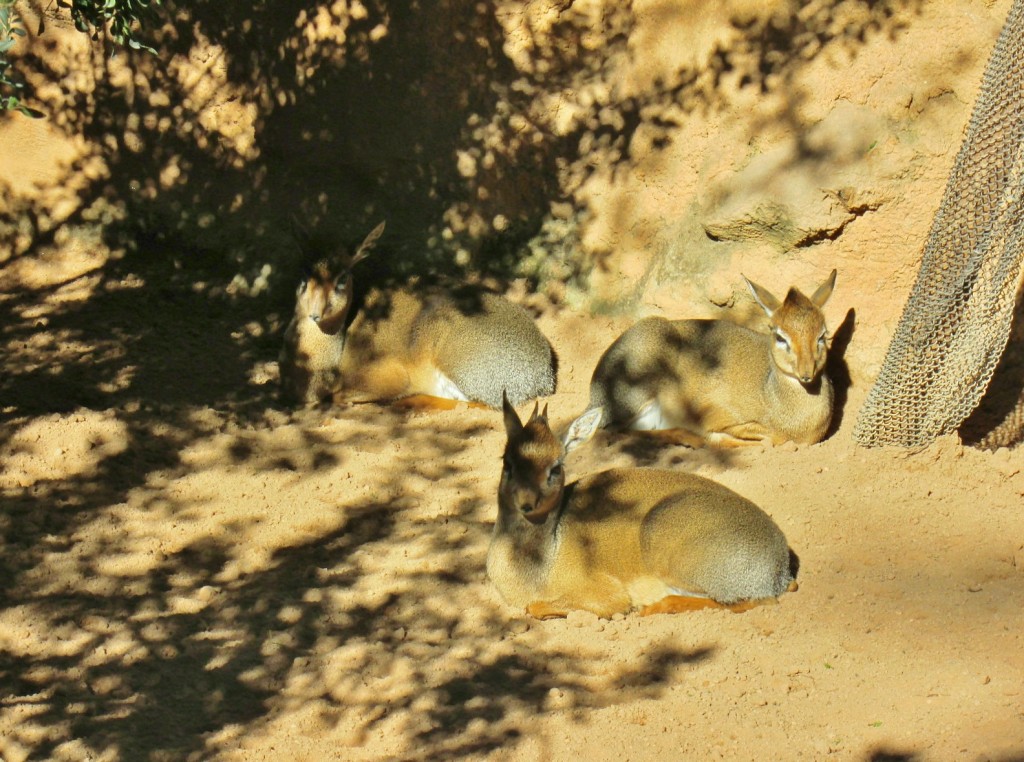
x: 721, y: 383
x: 623, y: 539
x: 461, y: 343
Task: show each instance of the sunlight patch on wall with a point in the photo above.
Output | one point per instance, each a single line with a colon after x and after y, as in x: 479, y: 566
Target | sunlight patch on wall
x: 221, y: 106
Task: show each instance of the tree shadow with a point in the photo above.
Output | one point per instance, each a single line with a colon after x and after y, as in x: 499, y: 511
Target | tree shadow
x: 149, y: 333
x: 892, y: 755
x: 526, y: 683
x: 176, y: 660
x: 838, y: 369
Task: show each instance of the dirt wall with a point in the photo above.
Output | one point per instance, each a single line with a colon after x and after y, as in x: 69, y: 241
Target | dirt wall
x: 632, y: 158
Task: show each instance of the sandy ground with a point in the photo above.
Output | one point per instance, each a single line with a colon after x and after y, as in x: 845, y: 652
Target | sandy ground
x: 190, y: 572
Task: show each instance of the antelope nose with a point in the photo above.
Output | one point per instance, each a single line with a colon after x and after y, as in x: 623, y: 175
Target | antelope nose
x: 527, y: 507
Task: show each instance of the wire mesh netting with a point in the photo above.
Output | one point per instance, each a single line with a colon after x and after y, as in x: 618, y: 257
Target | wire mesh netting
x: 956, y: 323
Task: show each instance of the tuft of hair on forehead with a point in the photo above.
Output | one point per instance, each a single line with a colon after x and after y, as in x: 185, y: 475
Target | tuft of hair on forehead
x: 799, y: 312
x: 796, y: 298
x: 538, y: 443
x: 321, y: 270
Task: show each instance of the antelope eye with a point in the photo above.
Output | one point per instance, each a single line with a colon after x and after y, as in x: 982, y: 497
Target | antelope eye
x: 821, y: 340
x: 781, y: 340
x: 555, y: 472
x: 506, y: 466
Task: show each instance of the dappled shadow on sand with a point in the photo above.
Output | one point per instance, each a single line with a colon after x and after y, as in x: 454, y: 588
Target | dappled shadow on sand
x: 526, y: 682
x: 144, y: 643
x: 156, y: 609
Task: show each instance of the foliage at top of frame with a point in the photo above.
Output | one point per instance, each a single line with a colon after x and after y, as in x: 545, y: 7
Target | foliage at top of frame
x: 10, y: 89
x: 118, y: 18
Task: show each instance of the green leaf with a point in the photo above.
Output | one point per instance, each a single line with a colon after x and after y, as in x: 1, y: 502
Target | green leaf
x: 31, y: 113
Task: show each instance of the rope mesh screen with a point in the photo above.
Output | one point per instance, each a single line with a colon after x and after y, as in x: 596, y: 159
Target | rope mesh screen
x: 956, y: 323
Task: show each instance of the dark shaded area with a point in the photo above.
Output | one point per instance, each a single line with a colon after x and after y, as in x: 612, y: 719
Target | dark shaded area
x: 527, y: 681
x: 151, y: 334
x: 174, y: 696
x: 892, y: 755
x: 794, y: 564
x: 998, y: 421
x: 838, y: 370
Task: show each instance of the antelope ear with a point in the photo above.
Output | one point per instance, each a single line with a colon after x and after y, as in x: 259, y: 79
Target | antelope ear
x: 582, y: 429
x: 364, y: 248
x: 824, y: 291
x: 513, y: 426
x: 768, y: 302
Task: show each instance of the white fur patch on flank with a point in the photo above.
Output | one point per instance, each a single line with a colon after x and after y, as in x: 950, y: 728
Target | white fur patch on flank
x: 649, y: 418
x: 688, y: 593
x: 446, y: 388
x: 643, y: 591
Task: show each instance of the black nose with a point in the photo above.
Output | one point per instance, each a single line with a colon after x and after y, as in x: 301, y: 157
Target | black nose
x: 527, y: 507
